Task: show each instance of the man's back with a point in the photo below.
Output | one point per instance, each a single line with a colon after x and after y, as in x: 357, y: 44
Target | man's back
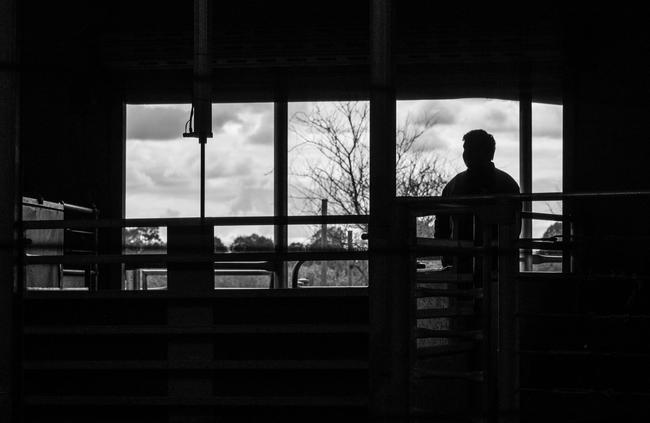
x: 480, y: 178
x: 469, y: 182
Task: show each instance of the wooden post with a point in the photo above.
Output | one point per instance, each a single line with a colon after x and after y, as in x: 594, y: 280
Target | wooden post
x: 112, y: 203
x: 9, y: 208
x: 389, y: 299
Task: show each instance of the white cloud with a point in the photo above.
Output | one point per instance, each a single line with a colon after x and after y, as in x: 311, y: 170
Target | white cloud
x: 162, y: 123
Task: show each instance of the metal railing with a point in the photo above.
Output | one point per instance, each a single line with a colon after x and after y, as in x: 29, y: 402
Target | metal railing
x: 499, y: 349
x: 225, y: 261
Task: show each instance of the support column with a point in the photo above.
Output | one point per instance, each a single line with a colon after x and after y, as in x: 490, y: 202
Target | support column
x: 111, y: 202
x: 526, y: 154
x: 9, y: 206
x: 508, y: 324
x: 569, y: 146
x: 389, y: 305
x: 280, y: 187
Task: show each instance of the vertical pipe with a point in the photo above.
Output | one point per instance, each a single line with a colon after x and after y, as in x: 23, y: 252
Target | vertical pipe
x: 526, y: 155
x: 202, y: 95
x: 323, y: 243
x: 280, y: 185
x: 202, y: 103
x: 9, y: 210
x: 202, y: 99
x: 202, y: 143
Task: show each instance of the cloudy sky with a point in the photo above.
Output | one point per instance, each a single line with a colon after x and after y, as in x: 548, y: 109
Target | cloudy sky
x: 162, y: 169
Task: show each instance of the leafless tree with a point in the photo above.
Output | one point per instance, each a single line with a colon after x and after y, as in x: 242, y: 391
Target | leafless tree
x: 340, y: 170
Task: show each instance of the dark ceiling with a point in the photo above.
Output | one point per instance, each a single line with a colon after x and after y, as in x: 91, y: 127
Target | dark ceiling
x: 318, y: 49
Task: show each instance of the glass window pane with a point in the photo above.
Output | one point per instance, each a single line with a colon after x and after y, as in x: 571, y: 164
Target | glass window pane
x: 430, y: 134
x: 239, y: 160
x: 547, y: 159
x: 329, y: 157
x: 162, y: 168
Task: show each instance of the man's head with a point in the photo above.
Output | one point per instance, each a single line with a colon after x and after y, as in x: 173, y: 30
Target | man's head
x: 479, y: 147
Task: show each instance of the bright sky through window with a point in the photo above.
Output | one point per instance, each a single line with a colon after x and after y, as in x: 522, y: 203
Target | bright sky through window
x: 162, y: 169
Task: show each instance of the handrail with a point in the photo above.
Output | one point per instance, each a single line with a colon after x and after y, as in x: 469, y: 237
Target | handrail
x: 195, y: 221
x: 540, y: 196
x: 545, y: 216
x: 142, y: 275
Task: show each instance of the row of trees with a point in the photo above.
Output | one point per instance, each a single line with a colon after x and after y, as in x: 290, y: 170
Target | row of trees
x: 142, y: 240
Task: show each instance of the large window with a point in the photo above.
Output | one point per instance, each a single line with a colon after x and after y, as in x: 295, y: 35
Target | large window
x: 328, y: 170
x: 163, y: 180
x: 327, y: 146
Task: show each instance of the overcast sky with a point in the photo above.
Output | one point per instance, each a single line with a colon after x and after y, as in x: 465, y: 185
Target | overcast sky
x: 162, y: 171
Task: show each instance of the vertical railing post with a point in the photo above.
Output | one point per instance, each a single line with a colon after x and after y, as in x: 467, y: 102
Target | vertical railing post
x: 508, y: 363
x: 487, y: 354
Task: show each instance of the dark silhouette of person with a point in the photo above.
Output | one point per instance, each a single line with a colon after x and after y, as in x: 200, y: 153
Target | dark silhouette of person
x: 480, y: 178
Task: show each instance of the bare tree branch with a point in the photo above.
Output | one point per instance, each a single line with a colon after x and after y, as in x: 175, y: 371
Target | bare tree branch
x: 339, y: 136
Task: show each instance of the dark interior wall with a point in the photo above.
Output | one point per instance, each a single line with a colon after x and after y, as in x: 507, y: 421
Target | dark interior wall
x: 70, y: 111
x: 67, y: 140
x: 610, y: 141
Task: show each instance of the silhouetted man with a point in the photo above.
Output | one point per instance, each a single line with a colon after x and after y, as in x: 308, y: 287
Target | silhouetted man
x: 480, y: 178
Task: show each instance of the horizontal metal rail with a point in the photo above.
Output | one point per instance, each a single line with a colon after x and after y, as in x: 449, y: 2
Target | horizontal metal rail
x: 227, y: 265
x: 217, y: 272
x: 541, y: 196
x: 545, y: 216
x: 78, y: 209
x: 151, y: 259
x: 194, y: 221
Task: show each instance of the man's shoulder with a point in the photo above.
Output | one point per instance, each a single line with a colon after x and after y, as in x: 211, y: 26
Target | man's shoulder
x: 505, y: 180
x: 460, y: 176
x: 453, y: 182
